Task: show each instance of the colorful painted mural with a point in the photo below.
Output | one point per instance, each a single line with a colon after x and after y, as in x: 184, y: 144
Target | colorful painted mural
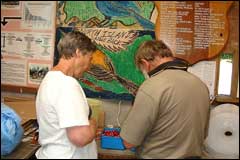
x: 107, y: 14
x: 118, y: 28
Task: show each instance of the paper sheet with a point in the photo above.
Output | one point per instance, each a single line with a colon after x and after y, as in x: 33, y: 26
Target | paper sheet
x: 206, y: 71
x: 13, y: 71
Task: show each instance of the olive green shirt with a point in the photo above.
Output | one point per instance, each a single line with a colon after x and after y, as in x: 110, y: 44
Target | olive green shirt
x: 170, y: 116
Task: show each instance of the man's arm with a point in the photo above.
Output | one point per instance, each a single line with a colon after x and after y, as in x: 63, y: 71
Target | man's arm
x: 82, y: 135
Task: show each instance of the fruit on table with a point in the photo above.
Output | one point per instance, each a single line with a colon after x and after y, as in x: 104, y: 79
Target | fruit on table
x: 112, y: 133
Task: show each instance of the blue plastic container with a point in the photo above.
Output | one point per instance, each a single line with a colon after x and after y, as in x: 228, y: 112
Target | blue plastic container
x: 109, y: 142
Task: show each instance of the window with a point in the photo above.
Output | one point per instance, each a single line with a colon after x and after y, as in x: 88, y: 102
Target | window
x: 225, y: 74
x: 227, y: 79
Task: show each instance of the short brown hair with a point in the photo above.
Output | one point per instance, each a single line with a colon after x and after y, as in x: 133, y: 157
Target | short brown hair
x: 148, y: 50
x: 72, y: 41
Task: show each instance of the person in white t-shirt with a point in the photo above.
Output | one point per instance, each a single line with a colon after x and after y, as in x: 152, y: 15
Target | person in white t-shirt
x: 65, y: 130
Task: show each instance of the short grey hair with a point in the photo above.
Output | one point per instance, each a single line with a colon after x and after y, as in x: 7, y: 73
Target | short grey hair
x: 72, y: 41
x: 148, y: 50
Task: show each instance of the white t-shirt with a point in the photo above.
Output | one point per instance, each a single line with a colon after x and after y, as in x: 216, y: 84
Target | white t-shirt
x: 61, y: 103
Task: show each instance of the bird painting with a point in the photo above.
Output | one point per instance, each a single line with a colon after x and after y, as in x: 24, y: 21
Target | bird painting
x: 115, y: 40
x: 104, y: 77
x: 112, y: 9
x: 102, y: 69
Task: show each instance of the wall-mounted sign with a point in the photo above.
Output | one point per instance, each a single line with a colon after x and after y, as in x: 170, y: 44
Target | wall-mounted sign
x: 194, y: 30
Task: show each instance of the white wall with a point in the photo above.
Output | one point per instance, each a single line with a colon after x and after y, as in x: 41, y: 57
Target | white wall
x: 111, y: 108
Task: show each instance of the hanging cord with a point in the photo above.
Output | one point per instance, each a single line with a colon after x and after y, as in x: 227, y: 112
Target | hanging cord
x: 119, y: 111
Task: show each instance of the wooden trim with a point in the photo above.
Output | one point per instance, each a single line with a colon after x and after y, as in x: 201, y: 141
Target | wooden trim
x: 235, y: 74
x: 17, y: 99
x: 217, y: 74
x: 227, y: 99
x: 18, y: 89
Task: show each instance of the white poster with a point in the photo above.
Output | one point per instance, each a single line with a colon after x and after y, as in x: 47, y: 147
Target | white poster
x: 13, y: 71
x: 38, y: 15
x: 206, y: 71
x: 27, y: 45
x: 27, y: 40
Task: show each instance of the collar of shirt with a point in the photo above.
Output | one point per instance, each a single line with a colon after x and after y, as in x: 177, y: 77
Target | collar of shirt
x: 175, y: 64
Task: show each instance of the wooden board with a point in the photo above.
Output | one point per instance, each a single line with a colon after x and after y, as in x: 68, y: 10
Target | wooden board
x: 193, y: 30
x: 25, y: 108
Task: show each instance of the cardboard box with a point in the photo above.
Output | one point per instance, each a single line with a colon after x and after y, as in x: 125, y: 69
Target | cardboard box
x: 26, y: 109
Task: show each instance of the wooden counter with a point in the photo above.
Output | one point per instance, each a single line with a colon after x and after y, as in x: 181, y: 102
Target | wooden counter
x: 25, y: 150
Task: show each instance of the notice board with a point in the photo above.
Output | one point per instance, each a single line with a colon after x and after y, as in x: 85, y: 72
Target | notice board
x: 194, y: 30
x: 27, y: 43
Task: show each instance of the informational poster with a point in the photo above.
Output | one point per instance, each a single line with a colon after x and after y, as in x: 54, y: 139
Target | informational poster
x: 194, y: 30
x: 30, y: 45
x: 206, y: 71
x: 13, y: 71
x: 38, y: 15
x: 27, y: 41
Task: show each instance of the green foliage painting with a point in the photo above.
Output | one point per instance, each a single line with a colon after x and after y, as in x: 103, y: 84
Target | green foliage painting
x: 113, y: 73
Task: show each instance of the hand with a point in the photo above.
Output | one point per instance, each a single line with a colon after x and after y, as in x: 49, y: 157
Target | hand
x: 93, y: 124
x: 99, y: 133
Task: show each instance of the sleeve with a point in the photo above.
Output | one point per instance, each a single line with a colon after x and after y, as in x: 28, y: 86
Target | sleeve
x: 72, y: 107
x: 139, y: 120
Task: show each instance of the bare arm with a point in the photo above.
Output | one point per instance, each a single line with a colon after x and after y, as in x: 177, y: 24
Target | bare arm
x: 82, y: 135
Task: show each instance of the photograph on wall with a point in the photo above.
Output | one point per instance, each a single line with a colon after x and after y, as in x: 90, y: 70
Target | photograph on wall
x: 36, y: 72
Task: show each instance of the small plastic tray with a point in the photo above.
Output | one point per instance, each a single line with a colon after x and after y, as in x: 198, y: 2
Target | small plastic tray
x: 110, y: 142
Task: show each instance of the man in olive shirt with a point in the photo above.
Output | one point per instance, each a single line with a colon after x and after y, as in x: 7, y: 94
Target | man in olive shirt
x: 170, y: 115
